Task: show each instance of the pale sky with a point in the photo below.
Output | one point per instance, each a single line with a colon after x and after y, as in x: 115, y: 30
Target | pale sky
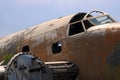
x: 16, y: 15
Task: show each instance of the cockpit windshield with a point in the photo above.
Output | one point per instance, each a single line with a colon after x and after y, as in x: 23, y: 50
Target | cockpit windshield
x: 101, y: 20
x: 95, y: 18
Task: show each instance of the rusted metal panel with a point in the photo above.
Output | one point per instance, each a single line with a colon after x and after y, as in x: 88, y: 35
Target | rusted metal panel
x: 95, y: 50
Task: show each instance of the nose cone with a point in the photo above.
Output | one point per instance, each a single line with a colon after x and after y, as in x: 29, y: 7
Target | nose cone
x: 112, y: 33
x: 108, y: 47
x: 112, y: 41
x: 112, y: 27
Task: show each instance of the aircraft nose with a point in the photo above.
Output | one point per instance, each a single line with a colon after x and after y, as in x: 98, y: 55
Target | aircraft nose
x: 112, y: 32
x: 113, y: 45
x: 112, y: 38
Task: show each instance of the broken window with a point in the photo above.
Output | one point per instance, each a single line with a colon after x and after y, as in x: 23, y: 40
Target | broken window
x: 87, y: 24
x: 78, y: 24
x: 57, y: 47
x: 75, y: 24
x: 76, y: 28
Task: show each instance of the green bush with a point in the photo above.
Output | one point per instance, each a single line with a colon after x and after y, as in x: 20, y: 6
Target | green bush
x: 7, y: 58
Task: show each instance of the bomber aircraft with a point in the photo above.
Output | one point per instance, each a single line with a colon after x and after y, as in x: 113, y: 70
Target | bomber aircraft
x: 82, y: 46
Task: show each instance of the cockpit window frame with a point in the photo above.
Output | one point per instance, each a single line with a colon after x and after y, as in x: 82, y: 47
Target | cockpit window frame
x: 98, y: 17
x: 83, y: 26
x: 87, y: 17
x: 91, y: 18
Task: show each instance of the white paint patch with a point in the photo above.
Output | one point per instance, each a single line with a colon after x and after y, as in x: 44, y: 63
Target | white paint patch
x: 37, y: 40
x: 97, y: 32
x: 6, y: 41
x: 51, y: 35
x: 2, y: 70
x: 105, y: 26
x: 101, y: 29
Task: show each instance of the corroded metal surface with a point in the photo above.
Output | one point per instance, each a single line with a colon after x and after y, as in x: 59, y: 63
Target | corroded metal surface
x: 26, y: 66
x: 63, y: 70
x: 95, y: 50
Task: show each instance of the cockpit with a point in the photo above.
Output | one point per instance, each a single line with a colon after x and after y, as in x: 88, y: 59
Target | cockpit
x: 82, y: 21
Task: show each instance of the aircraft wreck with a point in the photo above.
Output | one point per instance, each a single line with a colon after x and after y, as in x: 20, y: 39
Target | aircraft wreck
x: 82, y: 46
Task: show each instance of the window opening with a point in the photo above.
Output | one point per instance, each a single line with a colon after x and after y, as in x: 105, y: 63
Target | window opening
x: 76, y: 28
x: 57, y: 47
x: 25, y: 48
x: 87, y: 24
x: 101, y: 20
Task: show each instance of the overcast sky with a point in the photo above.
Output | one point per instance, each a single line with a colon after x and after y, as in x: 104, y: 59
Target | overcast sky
x: 16, y: 15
